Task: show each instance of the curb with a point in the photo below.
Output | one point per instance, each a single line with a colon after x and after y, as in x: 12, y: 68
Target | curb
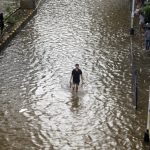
x: 13, y: 33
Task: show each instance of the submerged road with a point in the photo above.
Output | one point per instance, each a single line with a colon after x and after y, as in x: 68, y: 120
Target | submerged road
x: 38, y: 111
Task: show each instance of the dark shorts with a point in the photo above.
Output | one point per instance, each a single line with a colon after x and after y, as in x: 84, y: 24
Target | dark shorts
x: 76, y: 82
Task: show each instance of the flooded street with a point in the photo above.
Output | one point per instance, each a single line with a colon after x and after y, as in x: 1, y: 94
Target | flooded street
x: 38, y: 110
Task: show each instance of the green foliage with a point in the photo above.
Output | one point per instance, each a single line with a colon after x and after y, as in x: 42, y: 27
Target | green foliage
x: 9, y: 9
x: 148, y: 3
x: 11, y: 20
x: 146, y: 10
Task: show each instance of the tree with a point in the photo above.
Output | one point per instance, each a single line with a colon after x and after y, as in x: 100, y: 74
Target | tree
x: 146, y: 10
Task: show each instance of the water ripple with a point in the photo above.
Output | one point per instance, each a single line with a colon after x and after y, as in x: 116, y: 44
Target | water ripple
x: 38, y: 109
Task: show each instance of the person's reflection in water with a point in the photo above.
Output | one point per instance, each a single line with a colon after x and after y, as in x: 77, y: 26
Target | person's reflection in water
x: 75, y: 103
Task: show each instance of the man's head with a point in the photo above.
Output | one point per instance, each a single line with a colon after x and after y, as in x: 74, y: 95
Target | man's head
x: 77, y: 66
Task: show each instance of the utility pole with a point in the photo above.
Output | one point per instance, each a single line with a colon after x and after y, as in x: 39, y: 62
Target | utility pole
x: 132, y: 18
x: 147, y: 133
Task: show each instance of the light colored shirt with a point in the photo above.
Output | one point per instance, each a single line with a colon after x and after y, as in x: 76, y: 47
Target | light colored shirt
x: 147, y: 35
x: 141, y: 17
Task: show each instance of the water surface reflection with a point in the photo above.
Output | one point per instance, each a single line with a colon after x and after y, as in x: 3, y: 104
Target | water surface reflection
x: 38, y: 109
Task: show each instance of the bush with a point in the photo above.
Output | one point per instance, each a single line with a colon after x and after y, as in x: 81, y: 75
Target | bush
x: 9, y: 9
x: 11, y: 20
x: 146, y: 10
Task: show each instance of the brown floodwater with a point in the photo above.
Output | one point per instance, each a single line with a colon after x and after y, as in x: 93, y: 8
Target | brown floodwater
x: 38, y: 110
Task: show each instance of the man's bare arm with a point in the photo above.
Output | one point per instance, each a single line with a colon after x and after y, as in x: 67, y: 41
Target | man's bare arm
x: 71, y: 77
x: 82, y: 78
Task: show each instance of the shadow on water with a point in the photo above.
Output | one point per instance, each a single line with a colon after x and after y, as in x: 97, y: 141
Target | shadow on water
x: 77, y: 98
x: 75, y: 102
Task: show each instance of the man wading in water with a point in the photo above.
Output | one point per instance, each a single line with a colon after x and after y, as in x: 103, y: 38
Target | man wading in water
x: 76, y: 74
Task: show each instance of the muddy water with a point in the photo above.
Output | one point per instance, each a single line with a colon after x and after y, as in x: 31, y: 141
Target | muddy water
x: 38, y: 111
